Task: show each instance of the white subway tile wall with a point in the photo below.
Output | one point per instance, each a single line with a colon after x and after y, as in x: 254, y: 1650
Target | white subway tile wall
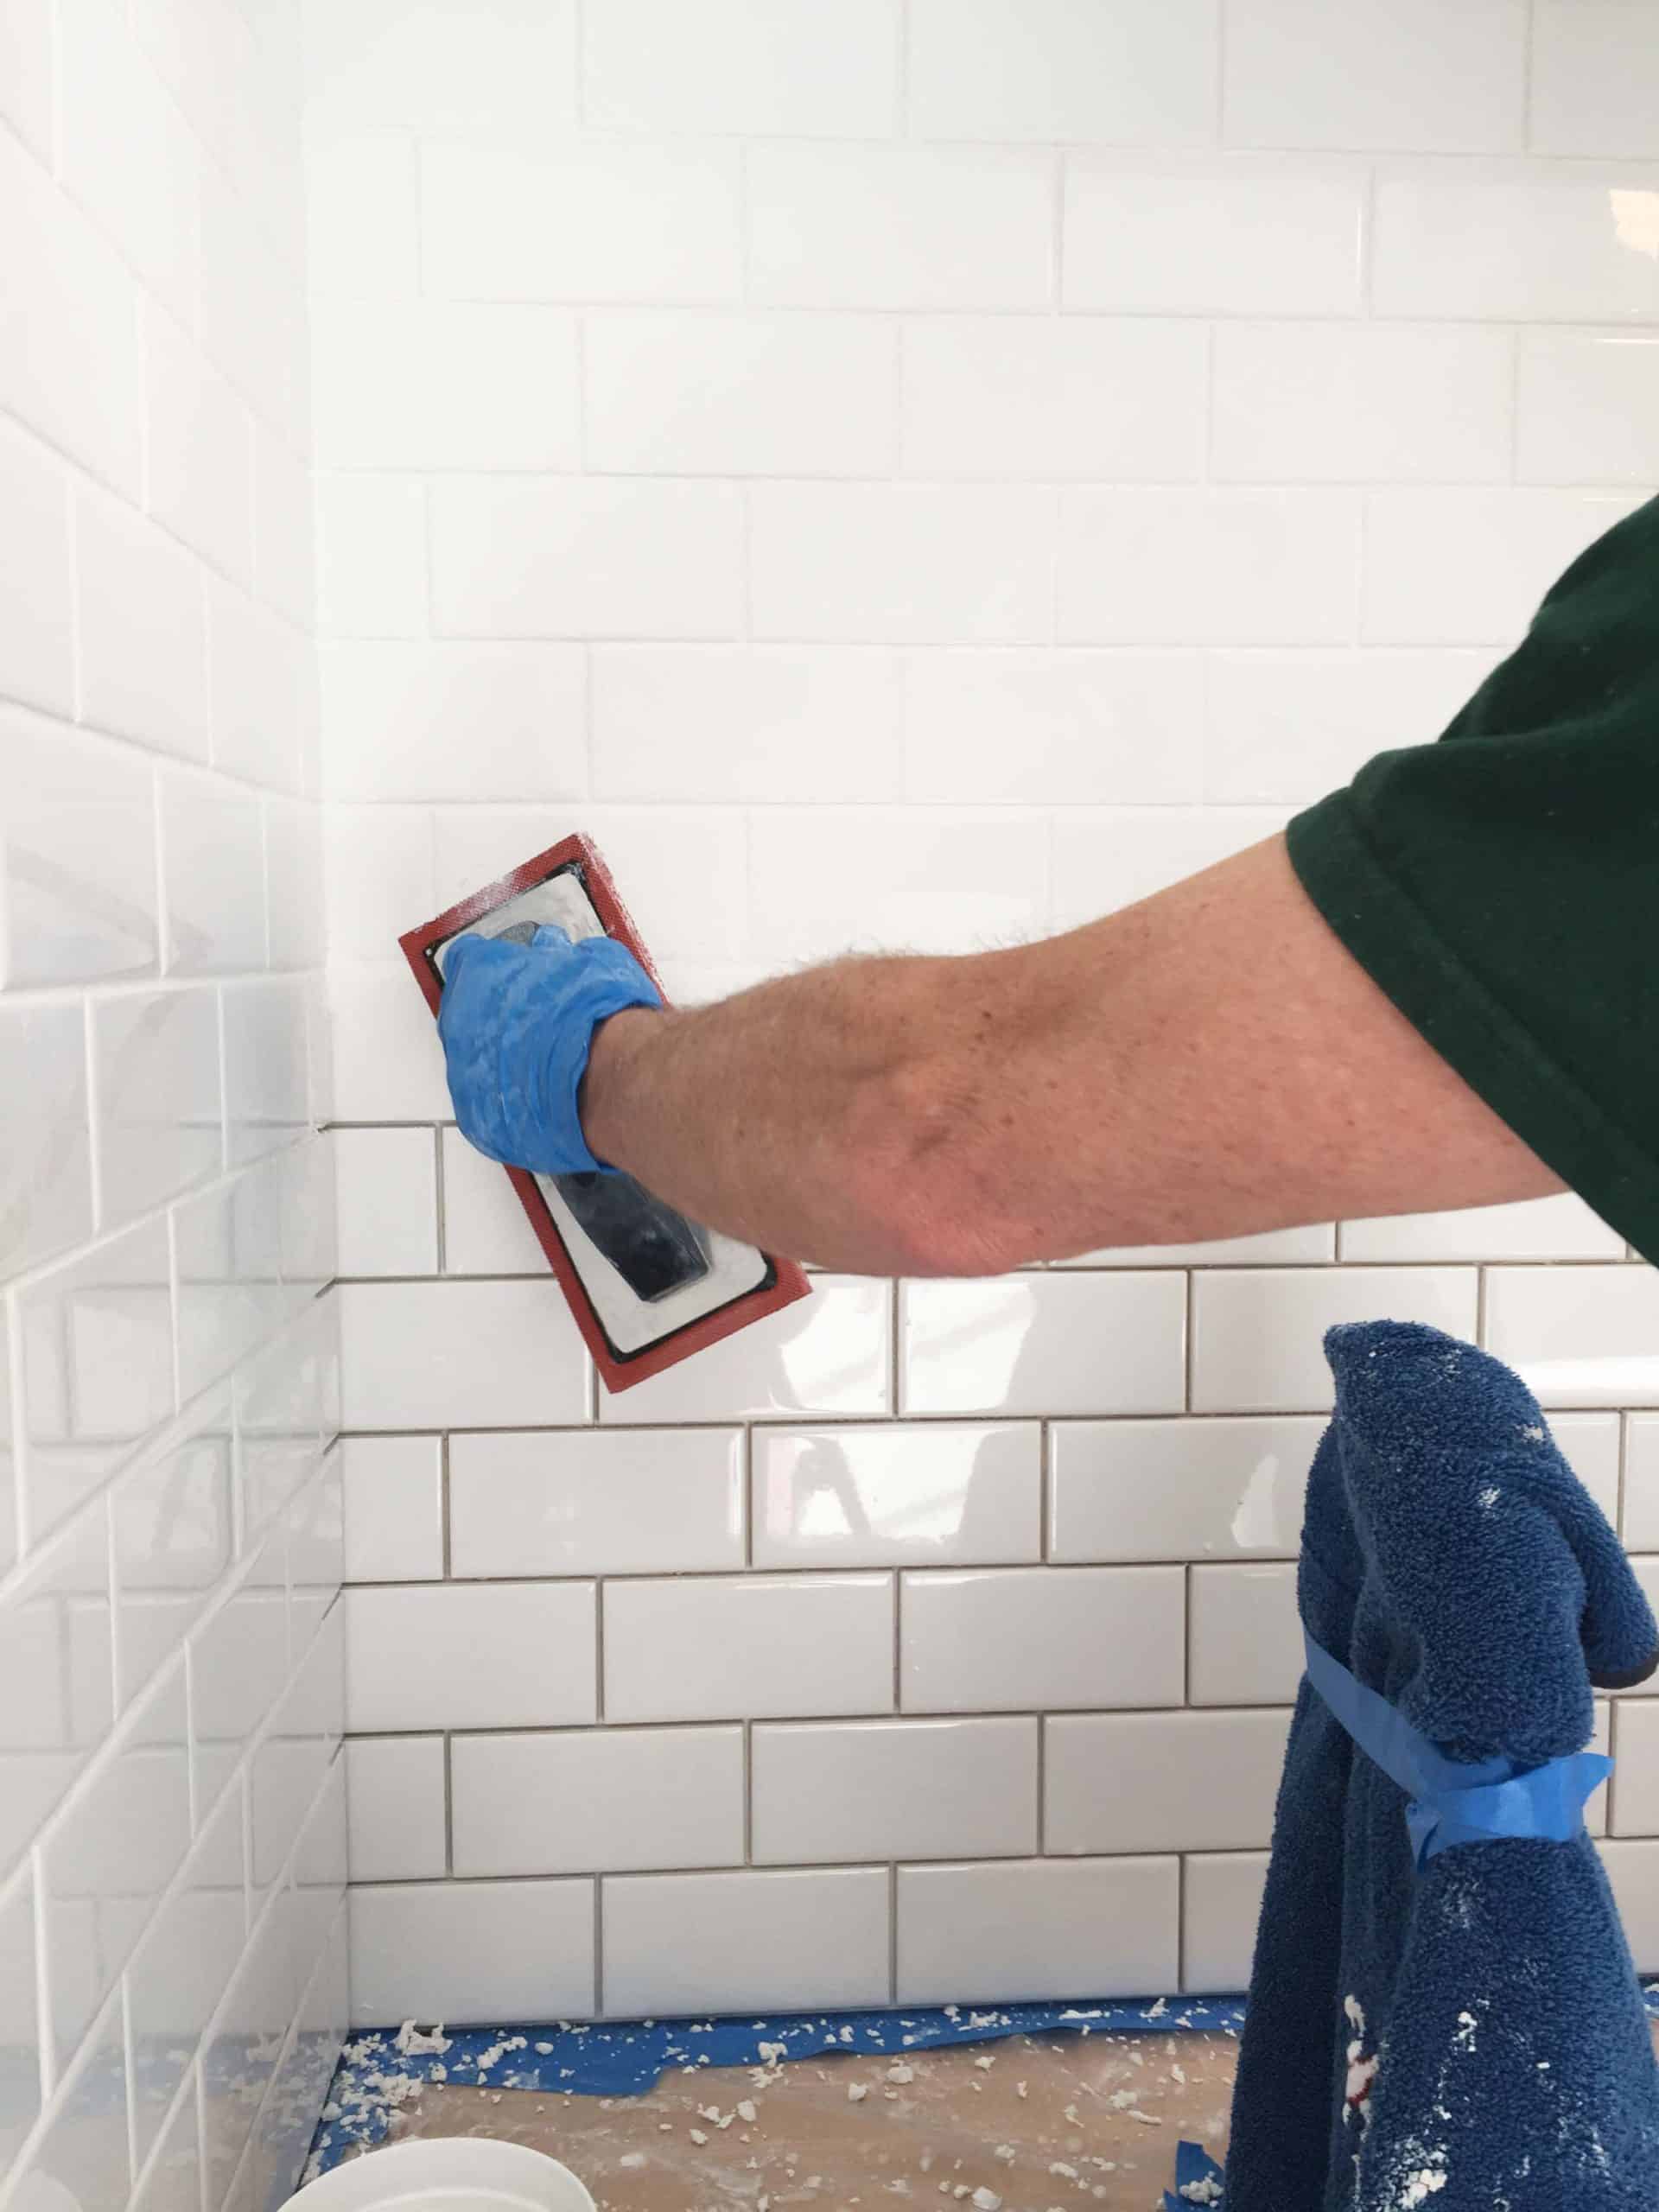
x: 909, y: 474
x: 173, y: 1858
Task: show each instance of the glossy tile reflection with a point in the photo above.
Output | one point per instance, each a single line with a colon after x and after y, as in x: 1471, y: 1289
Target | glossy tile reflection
x: 870, y: 1496
x: 56, y: 1676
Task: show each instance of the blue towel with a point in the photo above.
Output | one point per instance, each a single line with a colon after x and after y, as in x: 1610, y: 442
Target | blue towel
x: 1467, y: 2037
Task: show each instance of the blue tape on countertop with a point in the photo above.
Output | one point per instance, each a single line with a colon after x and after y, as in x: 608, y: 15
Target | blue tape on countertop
x: 1197, y: 2180
x: 1452, y: 1803
x: 378, y: 2070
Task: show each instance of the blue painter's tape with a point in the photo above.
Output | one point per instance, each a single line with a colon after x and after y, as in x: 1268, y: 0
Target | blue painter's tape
x: 1198, y: 2181
x: 1452, y: 1803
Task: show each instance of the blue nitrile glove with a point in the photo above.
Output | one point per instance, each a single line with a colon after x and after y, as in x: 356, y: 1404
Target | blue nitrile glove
x: 517, y: 1022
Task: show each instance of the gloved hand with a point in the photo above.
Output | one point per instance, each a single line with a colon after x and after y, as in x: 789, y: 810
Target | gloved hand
x: 517, y: 1022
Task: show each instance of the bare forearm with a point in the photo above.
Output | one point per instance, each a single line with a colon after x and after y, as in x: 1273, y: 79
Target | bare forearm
x: 782, y: 1114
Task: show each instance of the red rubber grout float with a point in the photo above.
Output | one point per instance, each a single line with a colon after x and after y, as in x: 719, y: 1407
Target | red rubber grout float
x: 647, y: 1288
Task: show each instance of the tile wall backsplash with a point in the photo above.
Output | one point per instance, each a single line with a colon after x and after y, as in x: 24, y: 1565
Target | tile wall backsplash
x: 173, y: 1836
x: 923, y: 475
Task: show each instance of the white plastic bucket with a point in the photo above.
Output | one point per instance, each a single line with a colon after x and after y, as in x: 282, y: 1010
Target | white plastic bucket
x: 465, y: 2173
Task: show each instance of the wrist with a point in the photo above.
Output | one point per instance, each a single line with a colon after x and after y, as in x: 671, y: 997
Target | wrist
x: 610, y: 1083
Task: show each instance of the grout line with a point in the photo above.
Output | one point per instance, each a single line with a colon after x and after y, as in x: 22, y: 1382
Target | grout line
x: 438, y: 1196
x: 599, y: 1944
x: 1529, y: 68
x: 1042, y: 1785
x: 448, y: 1806
x: 95, y: 1114
x: 902, y: 72
x: 45, y: 2057
x: 749, y: 1792
x: 599, y: 1652
x: 445, y: 1558
x: 1180, y: 1922
x: 1189, y: 1332
x: 892, y: 1936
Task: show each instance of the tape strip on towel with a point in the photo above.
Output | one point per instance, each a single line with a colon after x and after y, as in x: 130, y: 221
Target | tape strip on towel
x: 1452, y: 1803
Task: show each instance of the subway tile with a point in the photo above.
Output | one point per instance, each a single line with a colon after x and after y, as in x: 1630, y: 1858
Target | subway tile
x: 267, y: 1077
x: 77, y: 379
x: 125, y: 153
x: 717, y: 394
x: 1013, y: 727
x: 1221, y: 1902
x: 1241, y: 237
x: 294, y: 891
x: 1633, y: 1870
x: 933, y: 880
x: 813, y: 724
x: 610, y: 1800
x: 890, y: 1789
x: 603, y: 220
x: 98, y: 1368
x: 901, y: 226
x: 1257, y: 1336
x: 1067, y: 398
x: 443, y: 69
x: 715, y: 1647
x: 1333, y: 402
x: 1163, y: 1782
x: 46, y: 1173
x: 437, y: 384
x: 239, y: 2054
x: 471, y: 1952
x: 1226, y: 568
x: 37, y: 652
x: 1101, y: 1928
x: 1384, y: 74
x: 292, y: 1762
x: 370, y: 557
x: 378, y: 877
x: 827, y: 1355
x: 77, y: 849
x: 363, y: 229
x: 230, y: 1296
x: 238, y: 1662
x: 597, y: 1502
x: 600, y: 557
x: 1104, y: 859
x: 749, y: 67
x: 900, y: 563
x: 396, y: 1789
x: 1470, y: 567
x: 1245, y: 1644
x: 198, y: 448
x: 305, y: 1204
x: 278, y: 1395
x: 443, y: 1355
x: 114, y: 1852
x: 486, y: 1229
x: 744, y: 1943
x: 212, y: 876
x: 393, y: 1489
x: 1521, y: 248
x: 1594, y: 72
x: 1179, y: 1490
x: 1579, y: 1336
x: 172, y: 1541
x: 252, y: 319
x: 57, y: 1683
x: 142, y: 628
x: 10, y: 1531
x: 263, y: 689
x: 388, y: 1202
x: 448, y: 1656
x: 19, y: 2025
x: 316, y: 1549
x: 1142, y: 73
x: 1586, y: 409
x: 159, y: 1115
x: 1640, y: 1524
x: 1535, y: 1228
x: 1292, y: 725
x: 1049, y: 1638
x: 388, y: 1063
x: 1056, y: 1344
x: 915, y: 1494
x: 681, y: 870
x: 1314, y: 1241
x: 284, y: 528
x: 26, y: 86
x: 1635, y: 1780
x: 1590, y: 1443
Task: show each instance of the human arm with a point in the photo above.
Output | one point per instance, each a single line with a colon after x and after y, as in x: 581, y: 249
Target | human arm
x: 1206, y: 1064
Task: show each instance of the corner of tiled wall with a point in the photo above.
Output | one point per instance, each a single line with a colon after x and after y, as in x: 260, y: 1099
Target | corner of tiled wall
x: 908, y: 473
x: 172, y: 1798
